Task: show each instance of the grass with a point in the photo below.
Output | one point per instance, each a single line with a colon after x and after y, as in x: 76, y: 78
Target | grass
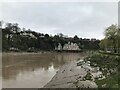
x: 111, y: 82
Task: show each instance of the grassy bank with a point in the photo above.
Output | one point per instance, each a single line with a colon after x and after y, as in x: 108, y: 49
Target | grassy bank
x: 109, y: 65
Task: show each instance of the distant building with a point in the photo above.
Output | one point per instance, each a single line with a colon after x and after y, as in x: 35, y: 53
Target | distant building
x: 59, y: 47
x: 13, y: 49
x: 28, y: 34
x: 68, y: 46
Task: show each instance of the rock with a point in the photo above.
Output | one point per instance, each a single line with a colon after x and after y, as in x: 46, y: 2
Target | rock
x: 97, y: 74
x: 104, y: 85
x: 108, y: 74
x: 87, y: 84
x: 88, y: 62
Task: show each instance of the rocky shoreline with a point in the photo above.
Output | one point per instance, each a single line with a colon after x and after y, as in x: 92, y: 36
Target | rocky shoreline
x: 76, y: 74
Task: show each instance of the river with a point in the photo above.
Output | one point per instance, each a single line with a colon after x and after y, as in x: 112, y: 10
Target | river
x: 32, y: 70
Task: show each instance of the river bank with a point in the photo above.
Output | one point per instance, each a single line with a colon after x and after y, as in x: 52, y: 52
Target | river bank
x: 39, y: 52
x: 75, y: 74
x: 94, y: 71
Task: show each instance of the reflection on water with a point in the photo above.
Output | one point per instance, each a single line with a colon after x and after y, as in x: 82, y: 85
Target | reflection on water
x: 32, y: 70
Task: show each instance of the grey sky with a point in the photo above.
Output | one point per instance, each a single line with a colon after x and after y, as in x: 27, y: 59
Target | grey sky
x: 85, y: 19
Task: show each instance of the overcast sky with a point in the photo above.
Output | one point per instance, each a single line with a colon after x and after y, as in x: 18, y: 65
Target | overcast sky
x: 85, y: 19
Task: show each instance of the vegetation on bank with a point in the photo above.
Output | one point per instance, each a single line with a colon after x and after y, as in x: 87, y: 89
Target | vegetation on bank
x: 108, y: 59
x: 16, y: 39
x: 109, y: 66
x: 111, y: 42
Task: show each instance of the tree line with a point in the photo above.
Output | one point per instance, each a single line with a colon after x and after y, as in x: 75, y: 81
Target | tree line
x: 16, y: 39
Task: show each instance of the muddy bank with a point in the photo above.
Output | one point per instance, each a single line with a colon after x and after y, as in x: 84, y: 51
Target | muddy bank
x: 75, y: 74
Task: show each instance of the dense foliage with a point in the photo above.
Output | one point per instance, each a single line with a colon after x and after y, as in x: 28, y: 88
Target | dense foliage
x: 17, y: 39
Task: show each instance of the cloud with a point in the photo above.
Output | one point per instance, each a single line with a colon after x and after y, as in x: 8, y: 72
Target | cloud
x: 85, y: 19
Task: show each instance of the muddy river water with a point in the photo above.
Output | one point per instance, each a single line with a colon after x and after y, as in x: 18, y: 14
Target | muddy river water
x: 32, y: 70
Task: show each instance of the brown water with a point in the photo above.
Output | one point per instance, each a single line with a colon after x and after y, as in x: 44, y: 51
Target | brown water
x: 23, y: 70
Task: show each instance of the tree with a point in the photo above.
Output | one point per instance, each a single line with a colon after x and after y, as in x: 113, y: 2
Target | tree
x: 76, y: 37
x: 112, y: 38
x: 46, y: 36
x: 60, y: 34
